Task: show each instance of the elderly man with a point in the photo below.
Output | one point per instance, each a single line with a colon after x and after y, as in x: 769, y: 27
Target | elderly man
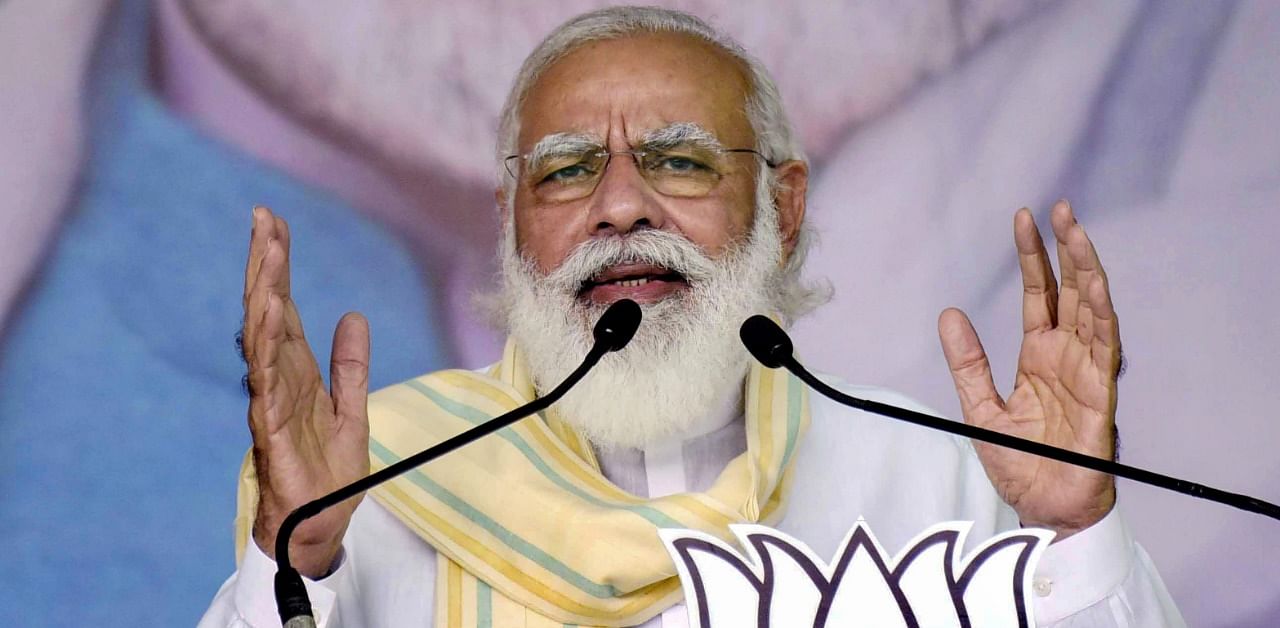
x: 645, y: 156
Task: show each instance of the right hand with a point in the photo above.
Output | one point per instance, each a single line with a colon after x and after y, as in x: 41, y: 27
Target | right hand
x: 306, y: 441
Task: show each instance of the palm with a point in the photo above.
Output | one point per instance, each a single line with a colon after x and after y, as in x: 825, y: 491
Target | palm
x: 1064, y: 393
x: 313, y: 450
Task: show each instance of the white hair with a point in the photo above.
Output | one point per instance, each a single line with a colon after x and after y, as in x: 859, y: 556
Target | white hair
x: 763, y: 109
x: 683, y: 360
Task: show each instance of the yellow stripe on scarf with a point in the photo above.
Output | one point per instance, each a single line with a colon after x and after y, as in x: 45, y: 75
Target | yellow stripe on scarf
x: 528, y: 531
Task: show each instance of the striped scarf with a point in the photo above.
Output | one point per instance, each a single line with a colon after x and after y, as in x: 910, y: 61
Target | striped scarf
x: 527, y: 530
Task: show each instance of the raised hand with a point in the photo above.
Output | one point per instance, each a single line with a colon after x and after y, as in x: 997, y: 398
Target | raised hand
x: 1064, y: 393
x: 306, y: 441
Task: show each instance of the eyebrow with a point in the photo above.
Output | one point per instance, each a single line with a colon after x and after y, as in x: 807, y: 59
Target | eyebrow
x: 567, y: 143
x: 680, y: 133
x: 671, y: 135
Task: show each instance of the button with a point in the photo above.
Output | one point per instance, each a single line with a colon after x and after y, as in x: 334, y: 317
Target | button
x: 1042, y: 586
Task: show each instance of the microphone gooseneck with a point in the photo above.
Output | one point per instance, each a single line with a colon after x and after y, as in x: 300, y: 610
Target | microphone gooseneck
x: 769, y: 344
x: 612, y: 332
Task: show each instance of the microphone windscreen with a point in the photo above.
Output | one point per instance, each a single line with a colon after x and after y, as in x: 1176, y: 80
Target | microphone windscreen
x: 766, y: 341
x: 617, y: 325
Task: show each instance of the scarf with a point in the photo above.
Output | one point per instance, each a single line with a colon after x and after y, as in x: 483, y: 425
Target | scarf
x: 527, y: 530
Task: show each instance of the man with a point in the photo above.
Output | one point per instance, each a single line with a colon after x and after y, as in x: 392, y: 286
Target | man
x: 645, y: 156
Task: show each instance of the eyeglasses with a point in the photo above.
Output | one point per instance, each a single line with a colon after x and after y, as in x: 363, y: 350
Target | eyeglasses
x: 685, y: 171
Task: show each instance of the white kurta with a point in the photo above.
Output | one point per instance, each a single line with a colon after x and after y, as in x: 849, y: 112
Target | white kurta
x: 901, y: 478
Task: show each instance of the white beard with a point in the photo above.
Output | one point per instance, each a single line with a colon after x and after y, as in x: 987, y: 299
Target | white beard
x: 684, y: 359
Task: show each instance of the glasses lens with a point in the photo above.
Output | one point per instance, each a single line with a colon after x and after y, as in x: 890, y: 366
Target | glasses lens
x: 682, y: 170
x: 565, y: 177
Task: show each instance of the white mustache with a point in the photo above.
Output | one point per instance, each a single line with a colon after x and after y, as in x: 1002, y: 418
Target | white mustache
x: 650, y: 246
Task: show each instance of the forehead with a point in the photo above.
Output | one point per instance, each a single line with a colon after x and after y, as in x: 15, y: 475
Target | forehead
x: 618, y: 89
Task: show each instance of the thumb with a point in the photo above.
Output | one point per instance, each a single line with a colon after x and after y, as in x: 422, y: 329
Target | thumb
x: 349, y: 369
x: 967, y: 361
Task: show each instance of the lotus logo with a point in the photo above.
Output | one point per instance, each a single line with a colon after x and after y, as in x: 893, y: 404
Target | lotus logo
x: 783, y: 584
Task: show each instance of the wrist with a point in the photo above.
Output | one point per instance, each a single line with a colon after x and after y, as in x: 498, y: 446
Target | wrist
x: 316, y: 563
x: 1079, y: 520
x: 311, y: 557
x: 312, y: 560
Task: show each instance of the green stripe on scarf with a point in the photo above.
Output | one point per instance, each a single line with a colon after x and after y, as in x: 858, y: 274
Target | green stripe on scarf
x: 476, y: 417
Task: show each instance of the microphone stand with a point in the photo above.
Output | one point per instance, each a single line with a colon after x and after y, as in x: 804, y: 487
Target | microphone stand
x: 612, y: 332
x: 769, y: 344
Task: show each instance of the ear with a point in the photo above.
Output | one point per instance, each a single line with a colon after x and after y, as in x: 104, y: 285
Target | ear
x: 789, y: 198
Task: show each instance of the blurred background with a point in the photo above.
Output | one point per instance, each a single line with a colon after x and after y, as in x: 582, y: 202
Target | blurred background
x: 136, y: 135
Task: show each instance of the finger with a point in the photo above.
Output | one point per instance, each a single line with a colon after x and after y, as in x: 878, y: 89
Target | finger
x: 282, y: 236
x: 1039, y: 288
x: 970, y: 369
x: 273, y: 278
x: 292, y: 320
x: 1106, y: 329
x: 269, y: 267
x: 1063, y: 220
x: 264, y: 369
x: 256, y: 308
x: 349, y: 370
x: 262, y: 232
x: 1088, y: 269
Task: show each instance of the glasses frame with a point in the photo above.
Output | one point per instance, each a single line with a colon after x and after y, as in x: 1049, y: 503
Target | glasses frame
x: 636, y: 155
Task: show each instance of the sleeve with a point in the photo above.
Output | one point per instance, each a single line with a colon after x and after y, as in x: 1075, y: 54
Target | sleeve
x: 1100, y: 577
x: 247, y: 598
x: 385, y: 575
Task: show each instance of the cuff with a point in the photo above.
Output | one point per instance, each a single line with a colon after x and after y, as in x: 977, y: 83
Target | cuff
x: 1082, y: 569
x: 255, y: 589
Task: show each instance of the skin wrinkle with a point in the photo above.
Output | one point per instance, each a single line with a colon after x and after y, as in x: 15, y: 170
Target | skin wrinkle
x: 613, y: 101
x: 674, y: 134
x: 690, y: 135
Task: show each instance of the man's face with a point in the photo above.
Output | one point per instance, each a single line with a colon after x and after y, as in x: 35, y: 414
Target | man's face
x: 701, y: 253
x: 620, y: 92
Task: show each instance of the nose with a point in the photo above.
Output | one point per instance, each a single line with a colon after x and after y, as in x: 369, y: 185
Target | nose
x: 623, y: 200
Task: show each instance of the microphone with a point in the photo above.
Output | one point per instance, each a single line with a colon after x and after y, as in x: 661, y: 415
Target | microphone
x: 769, y: 344
x: 612, y: 332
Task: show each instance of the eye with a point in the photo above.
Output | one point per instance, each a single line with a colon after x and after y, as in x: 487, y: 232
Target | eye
x: 568, y: 174
x: 679, y: 164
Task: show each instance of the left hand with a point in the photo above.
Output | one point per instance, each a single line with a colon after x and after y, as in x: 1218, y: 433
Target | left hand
x: 1064, y: 393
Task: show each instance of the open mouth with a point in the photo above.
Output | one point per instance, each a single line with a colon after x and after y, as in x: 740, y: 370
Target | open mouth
x: 642, y: 283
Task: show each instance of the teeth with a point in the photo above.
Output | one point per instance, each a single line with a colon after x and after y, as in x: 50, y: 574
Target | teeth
x: 630, y: 283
